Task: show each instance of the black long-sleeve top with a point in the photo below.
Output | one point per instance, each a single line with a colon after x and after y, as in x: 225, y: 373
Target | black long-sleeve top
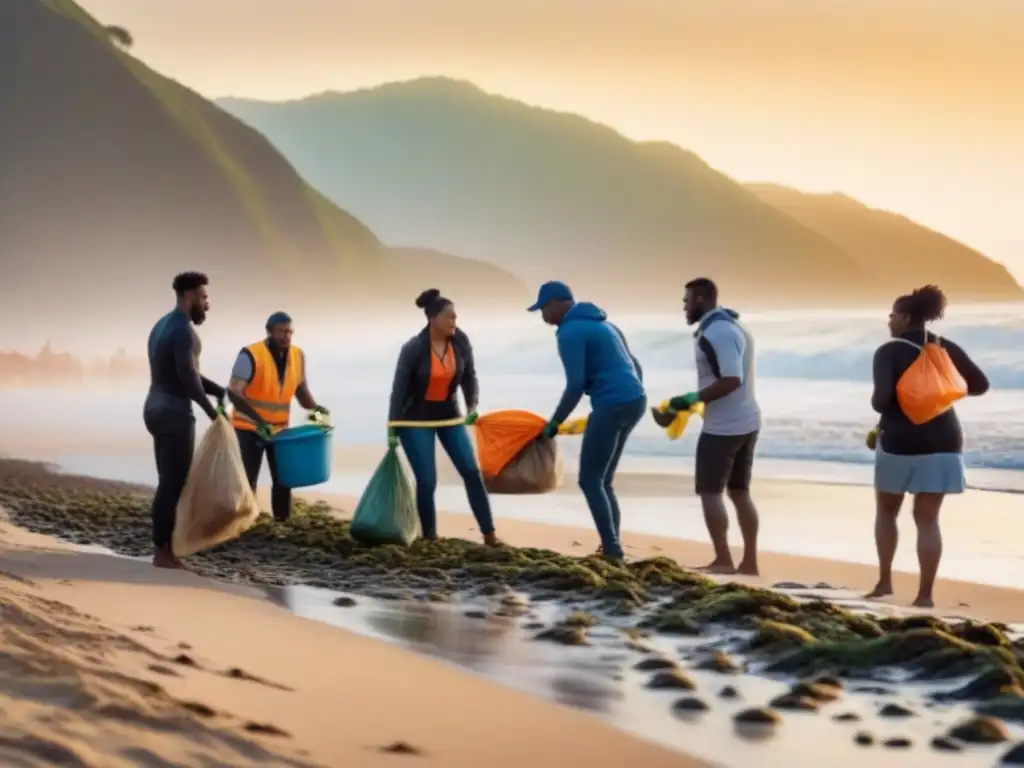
x: 175, y: 381
x: 899, y: 435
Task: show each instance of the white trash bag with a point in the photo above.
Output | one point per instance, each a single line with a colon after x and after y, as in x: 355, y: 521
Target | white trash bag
x: 217, y: 503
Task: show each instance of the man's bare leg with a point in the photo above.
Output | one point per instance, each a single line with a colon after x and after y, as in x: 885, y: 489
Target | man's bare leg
x: 746, y: 516
x: 929, y: 544
x: 716, y: 518
x: 887, y: 534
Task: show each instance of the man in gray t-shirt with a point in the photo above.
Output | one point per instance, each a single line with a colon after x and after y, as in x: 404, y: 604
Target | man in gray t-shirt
x: 724, y: 352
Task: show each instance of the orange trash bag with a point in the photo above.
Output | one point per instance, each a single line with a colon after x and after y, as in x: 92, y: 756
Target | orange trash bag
x: 514, y: 457
x: 931, y: 385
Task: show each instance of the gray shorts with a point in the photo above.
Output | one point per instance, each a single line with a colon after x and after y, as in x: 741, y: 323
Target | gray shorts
x: 724, y: 462
x: 924, y: 473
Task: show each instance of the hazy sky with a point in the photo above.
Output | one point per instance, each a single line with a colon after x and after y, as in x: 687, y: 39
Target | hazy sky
x: 916, y: 106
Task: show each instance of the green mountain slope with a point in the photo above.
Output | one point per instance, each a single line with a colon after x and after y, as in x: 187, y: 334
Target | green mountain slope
x: 466, y: 281
x: 908, y: 254
x: 546, y: 194
x: 114, y: 178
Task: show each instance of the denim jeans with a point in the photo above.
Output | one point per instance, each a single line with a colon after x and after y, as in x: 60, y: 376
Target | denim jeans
x: 418, y: 444
x: 603, y: 442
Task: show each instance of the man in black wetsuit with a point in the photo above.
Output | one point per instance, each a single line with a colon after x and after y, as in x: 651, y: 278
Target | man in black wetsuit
x: 175, y: 383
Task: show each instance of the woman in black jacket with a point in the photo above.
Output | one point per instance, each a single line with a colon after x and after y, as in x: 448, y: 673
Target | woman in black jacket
x: 921, y: 460
x: 431, y: 368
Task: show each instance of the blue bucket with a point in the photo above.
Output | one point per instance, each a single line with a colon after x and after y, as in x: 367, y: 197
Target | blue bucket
x: 303, y: 455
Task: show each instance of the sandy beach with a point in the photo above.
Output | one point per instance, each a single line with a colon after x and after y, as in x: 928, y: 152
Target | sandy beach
x: 112, y: 663
x: 176, y: 667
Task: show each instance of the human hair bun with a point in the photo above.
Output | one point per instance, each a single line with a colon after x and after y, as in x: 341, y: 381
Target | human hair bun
x: 426, y: 298
x: 928, y: 303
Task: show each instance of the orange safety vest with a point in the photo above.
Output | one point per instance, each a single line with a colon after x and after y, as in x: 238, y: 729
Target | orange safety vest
x: 268, y: 395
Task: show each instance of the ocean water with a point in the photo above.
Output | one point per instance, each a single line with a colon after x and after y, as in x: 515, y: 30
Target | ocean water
x: 813, y: 383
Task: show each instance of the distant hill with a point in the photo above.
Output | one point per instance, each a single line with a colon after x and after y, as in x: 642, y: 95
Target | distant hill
x: 467, y: 282
x: 908, y: 254
x: 548, y: 195
x: 113, y: 178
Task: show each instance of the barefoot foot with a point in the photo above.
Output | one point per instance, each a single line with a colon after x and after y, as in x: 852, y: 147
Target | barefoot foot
x: 882, y: 589
x: 923, y: 602
x: 748, y: 568
x: 722, y: 567
x: 164, y: 558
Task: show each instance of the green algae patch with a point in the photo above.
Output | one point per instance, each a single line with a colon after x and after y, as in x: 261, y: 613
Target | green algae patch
x: 781, y: 634
x: 932, y: 653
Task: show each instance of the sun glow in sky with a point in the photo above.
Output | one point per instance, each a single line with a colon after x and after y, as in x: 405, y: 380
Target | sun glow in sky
x: 915, y: 106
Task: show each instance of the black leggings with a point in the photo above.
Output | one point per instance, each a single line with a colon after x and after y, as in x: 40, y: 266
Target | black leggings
x: 253, y: 447
x: 174, y: 441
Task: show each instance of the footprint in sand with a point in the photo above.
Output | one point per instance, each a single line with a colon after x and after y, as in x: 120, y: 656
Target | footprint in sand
x: 160, y: 669
x: 402, y: 748
x: 236, y: 673
x: 267, y: 729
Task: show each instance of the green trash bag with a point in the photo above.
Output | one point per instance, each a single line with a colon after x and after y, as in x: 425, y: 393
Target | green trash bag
x: 386, y: 512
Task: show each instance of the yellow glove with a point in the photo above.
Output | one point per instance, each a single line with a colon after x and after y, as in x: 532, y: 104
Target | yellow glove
x: 674, y: 429
x: 872, y: 439
x: 573, y: 427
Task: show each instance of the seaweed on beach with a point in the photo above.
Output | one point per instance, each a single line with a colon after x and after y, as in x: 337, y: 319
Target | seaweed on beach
x: 783, y: 635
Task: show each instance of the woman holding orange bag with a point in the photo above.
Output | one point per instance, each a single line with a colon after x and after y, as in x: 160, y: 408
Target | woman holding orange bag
x: 919, y: 450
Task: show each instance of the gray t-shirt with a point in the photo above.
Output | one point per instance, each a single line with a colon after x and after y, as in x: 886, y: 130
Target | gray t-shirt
x: 725, y: 348
x: 245, y: 367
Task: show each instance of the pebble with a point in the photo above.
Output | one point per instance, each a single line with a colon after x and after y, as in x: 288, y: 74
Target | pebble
x: 758, y: 716
x: 720, y: 662
x: 674, y: 679
x: 896, y: 710
x: 980, y: 729
x: 794, y: 702
x: 655, y: 663
x: 863, y: 739
x: 898, y: 742
x: 690, y: 704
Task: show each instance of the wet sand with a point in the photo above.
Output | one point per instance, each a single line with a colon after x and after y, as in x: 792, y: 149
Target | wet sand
x: 596, y: 654
x: 953, y: 597
x: 112, y: 663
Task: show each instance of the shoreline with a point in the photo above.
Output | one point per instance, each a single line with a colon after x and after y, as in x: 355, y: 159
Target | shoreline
x: 954, y: 597
x: 630, y: 626
x: 953, y: 594
x: 177, y: 686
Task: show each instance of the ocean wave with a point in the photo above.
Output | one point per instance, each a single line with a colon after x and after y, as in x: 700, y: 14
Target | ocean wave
x: 818, y: 350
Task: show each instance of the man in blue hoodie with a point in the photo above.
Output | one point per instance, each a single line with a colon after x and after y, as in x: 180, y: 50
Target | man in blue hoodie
x: 597, y: 363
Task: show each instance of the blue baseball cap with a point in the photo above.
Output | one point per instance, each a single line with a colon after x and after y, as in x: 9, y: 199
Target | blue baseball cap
x: 553, y: 290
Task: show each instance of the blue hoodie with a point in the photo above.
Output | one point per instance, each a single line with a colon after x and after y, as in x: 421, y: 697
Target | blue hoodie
x: 597, y: 362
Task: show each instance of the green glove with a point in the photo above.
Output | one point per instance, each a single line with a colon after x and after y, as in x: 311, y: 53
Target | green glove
x: 392, y: 437
x: 265, y: 432
x: 316, y: 412
x: 471, y: 418
x: 550, y: 429
x: 683, y: 402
